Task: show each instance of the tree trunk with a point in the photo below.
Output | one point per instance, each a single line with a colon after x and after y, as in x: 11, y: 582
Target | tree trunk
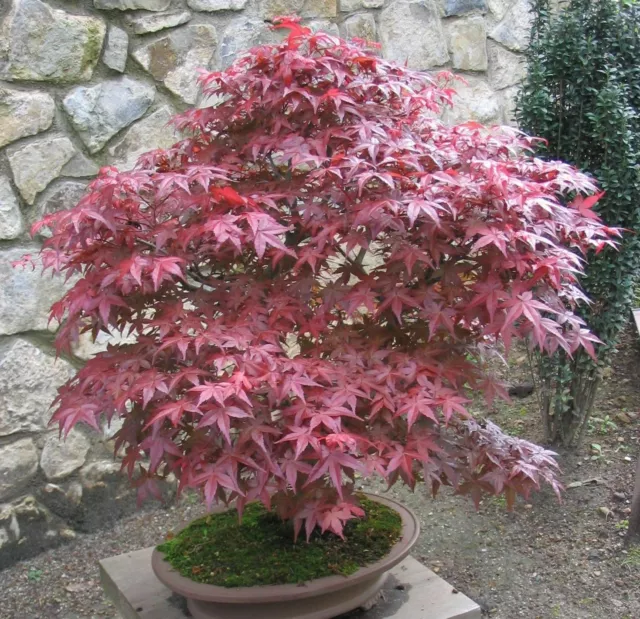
x: 633, y: 532
x: 568, y: 388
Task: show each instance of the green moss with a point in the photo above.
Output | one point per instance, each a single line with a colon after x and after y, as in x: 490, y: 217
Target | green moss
x: 218, y: 550
x: 19, y: 73
x: 92, y: 47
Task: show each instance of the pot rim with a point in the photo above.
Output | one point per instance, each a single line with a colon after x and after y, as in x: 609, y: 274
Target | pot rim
x: 277, y: 593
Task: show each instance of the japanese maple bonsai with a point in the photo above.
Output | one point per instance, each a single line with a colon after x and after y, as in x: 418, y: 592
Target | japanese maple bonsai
x: 311, y: 280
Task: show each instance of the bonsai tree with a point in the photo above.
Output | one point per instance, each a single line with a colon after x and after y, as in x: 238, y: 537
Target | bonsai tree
x: 311, y: 280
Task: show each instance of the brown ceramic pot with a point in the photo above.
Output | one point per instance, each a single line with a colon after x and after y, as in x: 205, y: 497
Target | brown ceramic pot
x: 322, y: 598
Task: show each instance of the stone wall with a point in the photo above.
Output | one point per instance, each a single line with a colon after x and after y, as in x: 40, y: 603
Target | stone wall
x: 84, y: 83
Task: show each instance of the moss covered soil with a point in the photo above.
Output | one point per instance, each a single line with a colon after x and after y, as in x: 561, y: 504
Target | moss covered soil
x: 218, y: 550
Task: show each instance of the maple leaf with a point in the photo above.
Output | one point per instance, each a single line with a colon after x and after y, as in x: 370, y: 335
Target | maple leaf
x: 291, y: 468
x: 488, y: 293
x: 163, y: 268
x: 303, y: 438
x: 334, y: 518
x: 224, y: 230
x: 451, y: 403
x: 294, y: 385
x: 415, y: 406
x: 490, y: 236
x: 397, y: 299
x: 213, y: 481
x: 222, y: 418
x: 525, y: 305
x: 257, y: 432
x: 582, y: 337
x: 416, y: 208
x: 334, y: 463
x: 219, y: 392
x: 85, y: 412
x: 331, y: 418
x: 401, y: 461
x: 173, y: 411
x: 265, y: 233
x: 158, y: 447
x: 584, y: 205
x: 150, y: 384
x: 362, y: 296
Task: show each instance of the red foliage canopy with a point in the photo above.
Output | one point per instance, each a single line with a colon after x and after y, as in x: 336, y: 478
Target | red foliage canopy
x: 310, y: 281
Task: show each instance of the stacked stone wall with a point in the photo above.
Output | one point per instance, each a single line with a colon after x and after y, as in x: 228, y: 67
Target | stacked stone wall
x: 86, y: 83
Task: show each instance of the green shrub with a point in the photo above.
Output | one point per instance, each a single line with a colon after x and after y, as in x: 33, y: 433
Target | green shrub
x: 582, y: 94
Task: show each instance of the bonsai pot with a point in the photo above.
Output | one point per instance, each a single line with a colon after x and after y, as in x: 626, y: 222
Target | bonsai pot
x: 322, y: 598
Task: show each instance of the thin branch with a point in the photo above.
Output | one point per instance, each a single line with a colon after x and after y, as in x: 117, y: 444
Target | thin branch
x: 148, y: 244
x: 358, y: 266
x: 274, y: 167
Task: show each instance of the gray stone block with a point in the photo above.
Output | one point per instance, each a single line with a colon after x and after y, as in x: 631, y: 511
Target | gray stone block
x: 23, y: 114
x: 40, y: 43
x: 462, y: 7
x: 29, y: 378
x: 116, y: 49
x: 411, y: 32
x: 412, y: 592
x: 175, y: 59
x: 11, y: 221
x: 39, y: 162
x: 98, y: 112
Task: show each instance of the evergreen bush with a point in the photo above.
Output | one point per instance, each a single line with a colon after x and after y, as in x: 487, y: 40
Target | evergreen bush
x: 582, y: 94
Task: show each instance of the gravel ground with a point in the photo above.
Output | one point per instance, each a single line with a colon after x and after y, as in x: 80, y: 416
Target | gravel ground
x: 542, y: 561
x: 63, y: 583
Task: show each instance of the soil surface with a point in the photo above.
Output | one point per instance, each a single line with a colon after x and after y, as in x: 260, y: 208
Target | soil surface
x: 544, y: 560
